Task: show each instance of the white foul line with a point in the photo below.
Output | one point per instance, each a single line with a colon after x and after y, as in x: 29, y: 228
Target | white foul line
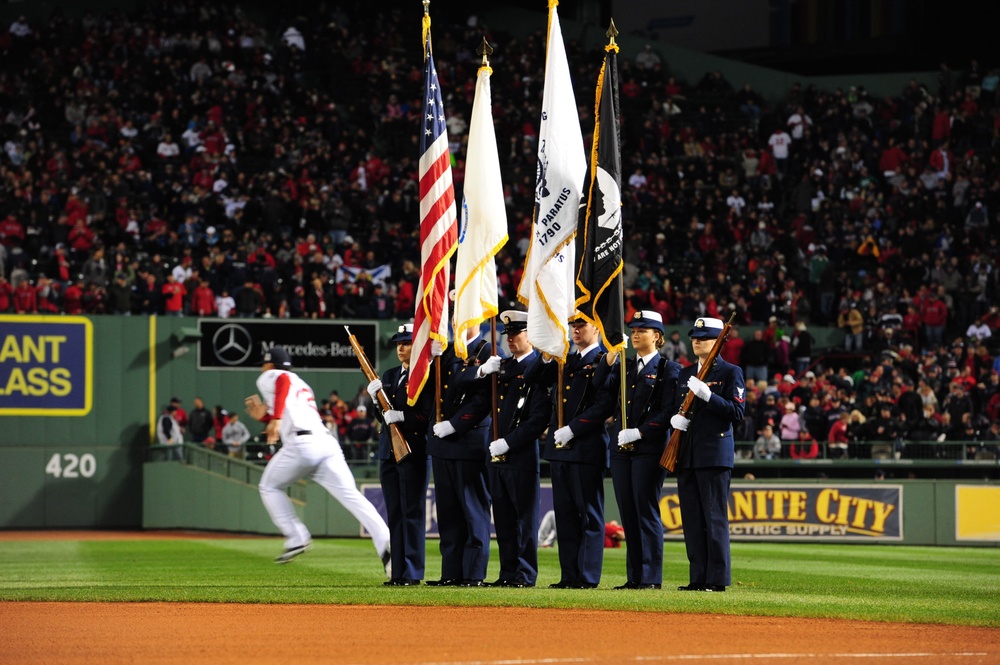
x: 703, y: 657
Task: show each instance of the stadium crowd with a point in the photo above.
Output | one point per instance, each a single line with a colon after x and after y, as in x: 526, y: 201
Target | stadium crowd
x: 198, y: 159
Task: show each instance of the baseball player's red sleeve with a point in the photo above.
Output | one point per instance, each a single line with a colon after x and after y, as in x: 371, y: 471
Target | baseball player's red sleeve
x: 281, y: 386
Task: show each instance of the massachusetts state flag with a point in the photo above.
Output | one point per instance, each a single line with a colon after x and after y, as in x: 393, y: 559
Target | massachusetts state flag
x: 483, y: 230
x: 438, y: 228
x: 600, y: 276
x: 547, y: 286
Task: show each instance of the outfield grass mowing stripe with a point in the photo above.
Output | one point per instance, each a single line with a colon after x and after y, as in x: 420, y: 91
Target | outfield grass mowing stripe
x: 927, y: 585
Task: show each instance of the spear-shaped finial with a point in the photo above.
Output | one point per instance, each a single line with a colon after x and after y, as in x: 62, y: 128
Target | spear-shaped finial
x: 486, y: 51
x: 612, y: 32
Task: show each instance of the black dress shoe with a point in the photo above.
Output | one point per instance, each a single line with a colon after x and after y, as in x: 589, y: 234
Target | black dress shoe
x: 401, y: 582
x: 690, y: 587
x: 497, y: 583
x: 647, y: 586
x: 713, y: 587
x: 470, y: 583
x: 627, y: 585
x: 519, y: 585
x: 443, y: 582
x: 560, y: 585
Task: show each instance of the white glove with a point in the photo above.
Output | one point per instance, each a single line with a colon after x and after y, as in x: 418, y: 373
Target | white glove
x: 627, y: 436
x: 699, y: 388
x: 443, y: 429
x: 499, y: 447
x: 436, y: 349
x: 677, y: 421
x: 563, y: 435
x: 392, y: 416
x: 374, y: 387
x: 491, y: 366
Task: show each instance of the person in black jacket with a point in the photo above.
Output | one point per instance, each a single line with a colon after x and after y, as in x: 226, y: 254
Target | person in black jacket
x: 404, y: 482
x: 521, y: 416
x: 638, y: 439
x: 200, y: 421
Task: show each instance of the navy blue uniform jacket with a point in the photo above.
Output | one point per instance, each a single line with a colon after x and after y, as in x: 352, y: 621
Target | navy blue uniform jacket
x: 523, y: 410
x: 649, y: 406
x: 415, y: 418
x: 465, y: 403
x: 709, y: 439
x: 585, y: 408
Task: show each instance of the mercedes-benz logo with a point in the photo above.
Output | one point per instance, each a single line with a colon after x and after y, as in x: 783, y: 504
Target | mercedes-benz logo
x: 232, y: 344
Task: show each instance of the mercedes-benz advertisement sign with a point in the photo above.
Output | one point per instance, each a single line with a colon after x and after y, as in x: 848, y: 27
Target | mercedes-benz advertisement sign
x: 323, y: 345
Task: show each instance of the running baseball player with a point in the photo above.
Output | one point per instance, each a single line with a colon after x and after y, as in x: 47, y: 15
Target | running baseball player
x: 308, y: 450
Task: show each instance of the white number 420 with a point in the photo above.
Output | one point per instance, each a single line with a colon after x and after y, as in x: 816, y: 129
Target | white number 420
x: 71, y: 466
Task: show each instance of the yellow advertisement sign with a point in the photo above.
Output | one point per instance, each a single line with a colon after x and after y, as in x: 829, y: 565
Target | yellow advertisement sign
x: 838, y: 512
x: 977, y: 516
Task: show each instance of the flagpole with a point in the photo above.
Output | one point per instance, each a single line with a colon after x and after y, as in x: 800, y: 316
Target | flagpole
x: 612, y: 33
x: 559, y: 401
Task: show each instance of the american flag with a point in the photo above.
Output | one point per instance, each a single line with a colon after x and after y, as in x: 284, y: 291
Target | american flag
x: 438, y: 231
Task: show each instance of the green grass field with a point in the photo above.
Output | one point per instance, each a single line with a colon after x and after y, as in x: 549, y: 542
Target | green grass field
x: 958, y: 586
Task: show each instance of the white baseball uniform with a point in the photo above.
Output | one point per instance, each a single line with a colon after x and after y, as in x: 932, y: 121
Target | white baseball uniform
x: 308, y: 450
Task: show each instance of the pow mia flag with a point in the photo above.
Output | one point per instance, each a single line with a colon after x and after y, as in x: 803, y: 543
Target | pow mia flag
x: 599, y: 278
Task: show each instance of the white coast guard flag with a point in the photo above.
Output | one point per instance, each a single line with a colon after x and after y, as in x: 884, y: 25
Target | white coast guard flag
x: 483, y: 229
x: 547, y: 286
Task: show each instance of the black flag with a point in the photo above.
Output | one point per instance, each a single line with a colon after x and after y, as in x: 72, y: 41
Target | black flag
x: 599, y: 278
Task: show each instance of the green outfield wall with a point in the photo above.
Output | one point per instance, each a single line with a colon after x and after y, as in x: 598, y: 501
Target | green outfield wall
x: 216, y: 494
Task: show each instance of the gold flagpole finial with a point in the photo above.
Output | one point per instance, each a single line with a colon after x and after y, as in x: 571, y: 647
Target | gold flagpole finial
x: 486, y: 51
x: 611, y: 33
x: 427, y: 7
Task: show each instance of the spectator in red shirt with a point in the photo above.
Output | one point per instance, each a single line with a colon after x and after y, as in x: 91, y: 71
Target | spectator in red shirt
x: 6, y: 294
x: 892, y: 160
x: 11, y: 231
x: 180, y: 415
x: 203, y: 300
x: 72, y: 298
x: 76, y: 208
x: 25, y: 298
x: 47, y: 296
x: 732, y: 350
x: 308, y: 247
x: 941, y: 126
x: 81, y: 238
x: 942, y: 161
x: 261, y: 258
x: 838, y: 438
x: 173, y: 295
x: 934, y: 316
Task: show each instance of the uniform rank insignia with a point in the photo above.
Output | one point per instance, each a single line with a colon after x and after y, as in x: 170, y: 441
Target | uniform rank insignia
x: 739, y: 395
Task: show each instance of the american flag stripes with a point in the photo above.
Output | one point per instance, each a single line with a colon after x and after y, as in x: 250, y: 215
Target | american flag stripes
x: 438, y: 230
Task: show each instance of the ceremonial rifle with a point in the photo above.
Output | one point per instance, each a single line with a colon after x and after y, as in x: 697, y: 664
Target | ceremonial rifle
x: 400, y: 448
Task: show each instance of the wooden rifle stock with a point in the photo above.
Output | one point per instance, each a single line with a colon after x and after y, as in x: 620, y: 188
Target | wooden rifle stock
x: 669, y: 459
x: 400, y: 448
